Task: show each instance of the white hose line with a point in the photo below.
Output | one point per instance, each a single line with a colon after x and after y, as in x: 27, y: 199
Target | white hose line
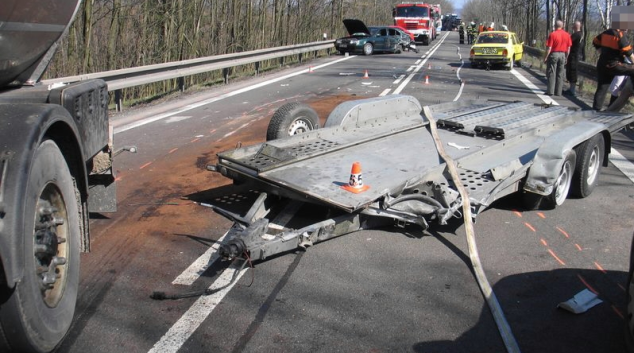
x: 496, y: 309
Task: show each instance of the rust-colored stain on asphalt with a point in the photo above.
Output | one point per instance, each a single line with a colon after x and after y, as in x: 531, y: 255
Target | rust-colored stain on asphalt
x: 146, y: 201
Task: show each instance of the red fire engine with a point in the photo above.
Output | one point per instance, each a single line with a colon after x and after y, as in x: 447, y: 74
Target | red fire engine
x: 418, y: 18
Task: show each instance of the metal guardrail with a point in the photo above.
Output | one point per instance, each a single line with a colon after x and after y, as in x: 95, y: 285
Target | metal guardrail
x: 584, y: 69
x: 136, y: 76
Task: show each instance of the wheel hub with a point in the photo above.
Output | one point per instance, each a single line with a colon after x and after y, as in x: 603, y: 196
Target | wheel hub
x: 593, y: 166
x: 299, y: 126
x: 49, y: 245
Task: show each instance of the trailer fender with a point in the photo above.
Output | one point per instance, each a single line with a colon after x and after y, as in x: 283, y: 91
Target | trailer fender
x: 22, y: 128
x: 552, y: 153
x: 362, y: 112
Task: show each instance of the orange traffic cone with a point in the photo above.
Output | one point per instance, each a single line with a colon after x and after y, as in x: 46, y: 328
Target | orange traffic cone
x: 365, y: 75
x: 355, y: 185
x: 310, y: 69
x: 426, y: 79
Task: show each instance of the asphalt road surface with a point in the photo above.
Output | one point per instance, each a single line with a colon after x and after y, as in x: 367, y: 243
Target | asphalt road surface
x: 386, y: 290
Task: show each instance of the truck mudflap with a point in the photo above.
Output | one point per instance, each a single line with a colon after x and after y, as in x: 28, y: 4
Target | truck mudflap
x: 496, y: 146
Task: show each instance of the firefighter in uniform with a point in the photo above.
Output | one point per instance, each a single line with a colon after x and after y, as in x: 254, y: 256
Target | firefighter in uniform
x: 472, y: 32
x: 461, y: 30
x: 614, y: 47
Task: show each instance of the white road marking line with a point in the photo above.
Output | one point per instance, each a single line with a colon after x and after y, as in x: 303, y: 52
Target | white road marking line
x: 410, y: 68
x: 236, y: 130
x: 177, y: 118
x: 385, y: 92
x: 418, y: 67
x: 180, y: 332
x: 622, y: 163
x: 540, y: 93
x: 193, y: 272
x: 417, y: 62
x: 219, y: 98
x: 196, y: 269
x: 398, y: 80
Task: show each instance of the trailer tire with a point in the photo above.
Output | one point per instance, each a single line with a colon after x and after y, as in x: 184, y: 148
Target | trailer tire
x: 557, y: 197
x: 36, y: 314
x: 589, y: 161
x: 292, y: 119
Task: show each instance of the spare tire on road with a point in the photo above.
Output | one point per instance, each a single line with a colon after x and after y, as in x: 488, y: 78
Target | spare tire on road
x: 292, y: 119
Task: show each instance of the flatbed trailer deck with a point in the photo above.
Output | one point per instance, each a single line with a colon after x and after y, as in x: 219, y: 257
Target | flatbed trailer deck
x: 498, y: 147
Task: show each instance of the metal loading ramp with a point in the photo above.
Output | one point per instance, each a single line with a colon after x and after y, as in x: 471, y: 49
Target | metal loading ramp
x: 493, y: 143
x: 498, y: 120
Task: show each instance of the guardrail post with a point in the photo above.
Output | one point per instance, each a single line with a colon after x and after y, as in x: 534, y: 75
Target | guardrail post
x: 118, y: 100
x: 181, y: 83
x: 300, y: 58
x: 281, y: 61
x: 225, y: 74
x: 257, y: 68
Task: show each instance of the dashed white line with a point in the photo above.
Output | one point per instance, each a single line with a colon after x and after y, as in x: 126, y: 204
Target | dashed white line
x: 622, y: 163
x: 398, y: 80
x: 236, y: 130
x: 193, y: 272
x: 419, y: 66
x: 180, y: 332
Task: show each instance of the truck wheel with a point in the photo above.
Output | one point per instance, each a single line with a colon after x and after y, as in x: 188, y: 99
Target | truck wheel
x: 292, y: 119
x: 368, y: 49
x: 37, y: 313
x: 589, y: 161
x: 559, y: 194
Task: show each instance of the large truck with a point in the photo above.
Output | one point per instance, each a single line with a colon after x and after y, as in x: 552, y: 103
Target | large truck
x: 417, y: 18
x: 55, y: 168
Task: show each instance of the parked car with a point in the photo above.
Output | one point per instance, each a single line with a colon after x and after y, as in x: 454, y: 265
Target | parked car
x: 496, y: 48
x: 366, y: 40
x: 410, y: 34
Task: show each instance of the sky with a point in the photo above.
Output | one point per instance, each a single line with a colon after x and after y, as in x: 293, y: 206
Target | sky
x: 457, y: 5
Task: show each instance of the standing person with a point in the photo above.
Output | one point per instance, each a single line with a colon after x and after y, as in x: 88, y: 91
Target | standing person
x: 558, y: 45
x: 614, y: 48
x: 573, y: 58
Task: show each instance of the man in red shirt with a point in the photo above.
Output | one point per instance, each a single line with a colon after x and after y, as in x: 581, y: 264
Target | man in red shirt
x: 558, y: 47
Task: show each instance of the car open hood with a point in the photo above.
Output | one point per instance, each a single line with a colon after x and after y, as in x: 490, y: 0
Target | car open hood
x: 355, y: 26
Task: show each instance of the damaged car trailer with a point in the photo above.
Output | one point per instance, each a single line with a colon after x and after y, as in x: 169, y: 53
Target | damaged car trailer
x: 499, y: 148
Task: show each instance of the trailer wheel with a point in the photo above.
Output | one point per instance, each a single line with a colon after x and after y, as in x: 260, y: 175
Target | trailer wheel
x: 589, y: 160
x: 559, y: 194
x: 292, y: 119
x: 36, y: 314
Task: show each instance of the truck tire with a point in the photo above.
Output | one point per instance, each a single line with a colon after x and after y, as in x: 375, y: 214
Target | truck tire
x: 292, y: 119
x: 589, y: 160
x: 368, y: 49
x: 557, y: 197
x: 36, y: 314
